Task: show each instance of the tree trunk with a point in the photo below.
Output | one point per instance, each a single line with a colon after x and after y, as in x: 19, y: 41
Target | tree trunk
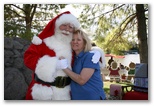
x: 142, y: 33
x: 29, y: 13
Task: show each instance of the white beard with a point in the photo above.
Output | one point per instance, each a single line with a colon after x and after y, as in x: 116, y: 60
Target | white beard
x: 63, y: 38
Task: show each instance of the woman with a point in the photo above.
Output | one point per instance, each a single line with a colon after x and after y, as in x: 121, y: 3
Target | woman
x: 86, y: 82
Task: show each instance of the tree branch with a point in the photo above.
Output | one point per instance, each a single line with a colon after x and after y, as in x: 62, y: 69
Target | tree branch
x: 14, y: 11
x: 34, y: 10
x: 108, y: 11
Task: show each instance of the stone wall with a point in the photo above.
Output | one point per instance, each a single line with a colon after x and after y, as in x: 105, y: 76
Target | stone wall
x: 17, y: 76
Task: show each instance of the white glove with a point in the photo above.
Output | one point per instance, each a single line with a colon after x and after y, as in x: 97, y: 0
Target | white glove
x: 62, y: 64
x: 96, y: 56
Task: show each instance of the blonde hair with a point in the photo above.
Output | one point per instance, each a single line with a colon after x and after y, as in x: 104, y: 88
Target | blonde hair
x: 85, y: 38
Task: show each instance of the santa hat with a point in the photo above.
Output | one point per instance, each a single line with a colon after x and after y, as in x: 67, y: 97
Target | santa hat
x: 49, y: 30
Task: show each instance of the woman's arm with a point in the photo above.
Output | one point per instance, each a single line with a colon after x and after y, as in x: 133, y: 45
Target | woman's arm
x: 81, y: 78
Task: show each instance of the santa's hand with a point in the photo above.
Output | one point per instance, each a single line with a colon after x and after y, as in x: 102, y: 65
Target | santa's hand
x: 96, y: 56
x: 59, y: 63
x: 64, y: 63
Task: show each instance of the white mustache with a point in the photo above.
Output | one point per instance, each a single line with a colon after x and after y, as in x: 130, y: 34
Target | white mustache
x: 66, y: 32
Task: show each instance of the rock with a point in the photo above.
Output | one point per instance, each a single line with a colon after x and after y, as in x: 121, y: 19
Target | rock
x: 14, y: 84
x: 17, y: 76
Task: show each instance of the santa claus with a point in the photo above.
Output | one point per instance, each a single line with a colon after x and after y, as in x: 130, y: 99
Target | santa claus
x: 49, y: 82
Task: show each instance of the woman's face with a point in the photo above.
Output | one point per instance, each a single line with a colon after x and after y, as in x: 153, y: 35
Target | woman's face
x: 77, y: 43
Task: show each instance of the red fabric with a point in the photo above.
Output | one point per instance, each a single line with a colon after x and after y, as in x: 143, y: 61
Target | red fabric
x: 31, y: 57
x: 116, y: 93
x: 123, y: 77
x: 73, y: 56
x: 28, y: 94
x: 34, y: 53
x: 114, y: 72
x: 133, y: 95
x: 49, y: 30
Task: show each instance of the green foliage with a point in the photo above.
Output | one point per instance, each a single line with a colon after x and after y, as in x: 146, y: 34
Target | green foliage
x: 11, y: 26
x: 114, y: 25
x: 115, y: 43
x: 26, y: 20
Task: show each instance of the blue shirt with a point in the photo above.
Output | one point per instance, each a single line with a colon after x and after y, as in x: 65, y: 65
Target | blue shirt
x: 93, y: 88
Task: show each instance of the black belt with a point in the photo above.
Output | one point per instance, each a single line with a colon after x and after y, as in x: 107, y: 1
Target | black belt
x: 59, y: 81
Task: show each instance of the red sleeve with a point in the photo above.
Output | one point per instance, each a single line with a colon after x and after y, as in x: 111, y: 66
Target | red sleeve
x: 34, y: 53
x: 73, y: 55
x: 31, y: 56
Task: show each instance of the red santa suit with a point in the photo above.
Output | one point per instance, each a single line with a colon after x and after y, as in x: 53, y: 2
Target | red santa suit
x: 49, y: 82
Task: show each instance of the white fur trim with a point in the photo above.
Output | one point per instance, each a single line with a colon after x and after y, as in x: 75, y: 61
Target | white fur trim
x: 40, y: 92
x: 46, y: 68
x: 61, y: 93
x: 36, y: 40
x: 68, y: 18
x: 102, y: 65
x: 61, y: 48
